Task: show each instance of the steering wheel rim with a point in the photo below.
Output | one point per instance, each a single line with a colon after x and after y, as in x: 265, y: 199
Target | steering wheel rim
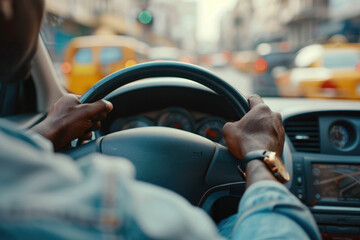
x: 167, y: 69
x: 184, y: 162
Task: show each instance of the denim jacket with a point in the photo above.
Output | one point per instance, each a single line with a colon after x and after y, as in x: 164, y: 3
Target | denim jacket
x: 44, y: 195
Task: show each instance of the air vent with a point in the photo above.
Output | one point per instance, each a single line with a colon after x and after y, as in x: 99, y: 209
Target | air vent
x: 303, y: 132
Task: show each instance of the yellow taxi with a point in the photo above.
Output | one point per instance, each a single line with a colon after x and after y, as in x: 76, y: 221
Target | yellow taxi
x: 90, y: 58
x: 323, y: 71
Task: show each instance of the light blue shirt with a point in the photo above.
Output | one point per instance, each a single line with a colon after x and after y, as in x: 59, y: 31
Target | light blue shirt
x: 269, y: 211
x: 49, y: 196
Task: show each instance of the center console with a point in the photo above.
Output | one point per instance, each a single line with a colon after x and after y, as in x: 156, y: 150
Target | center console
x: 330, y: 187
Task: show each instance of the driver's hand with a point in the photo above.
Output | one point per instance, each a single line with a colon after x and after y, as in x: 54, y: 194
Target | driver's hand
x: 259, y: 129
x: 70, y: 119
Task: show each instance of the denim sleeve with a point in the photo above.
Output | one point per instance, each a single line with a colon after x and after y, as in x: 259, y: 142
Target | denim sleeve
x: 49, y: 196
x: 269, y: 211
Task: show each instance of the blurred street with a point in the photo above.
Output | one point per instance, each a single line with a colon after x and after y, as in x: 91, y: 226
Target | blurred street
x: 274, y: 48
x: 236, y: 78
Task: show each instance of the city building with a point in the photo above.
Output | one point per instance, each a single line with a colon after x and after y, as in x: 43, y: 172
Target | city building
x: 302, y: 19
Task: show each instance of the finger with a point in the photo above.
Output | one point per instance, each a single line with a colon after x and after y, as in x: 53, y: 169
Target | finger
x: 101, y: 116
x: 254, y: 100
x: 86, y: 136
x: 108, y: 105
x: 98, y: 107
x: 82, y: 142
x: 96, y: 126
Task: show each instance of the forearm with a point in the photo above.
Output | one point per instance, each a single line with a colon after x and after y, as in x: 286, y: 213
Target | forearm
x: 256, y: 171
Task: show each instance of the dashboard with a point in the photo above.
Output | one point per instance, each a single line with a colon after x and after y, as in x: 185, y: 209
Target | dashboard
x: 200, y: 123
x: 189, y: 107
x: 322, y: 143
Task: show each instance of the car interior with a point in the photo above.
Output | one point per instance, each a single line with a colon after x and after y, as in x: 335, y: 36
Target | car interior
x: 190, y: 157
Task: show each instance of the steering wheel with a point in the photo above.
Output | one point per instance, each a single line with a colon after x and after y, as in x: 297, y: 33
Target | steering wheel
x: 184, y: 162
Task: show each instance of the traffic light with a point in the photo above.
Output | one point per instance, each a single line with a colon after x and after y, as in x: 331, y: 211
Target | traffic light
x: 145, y: 17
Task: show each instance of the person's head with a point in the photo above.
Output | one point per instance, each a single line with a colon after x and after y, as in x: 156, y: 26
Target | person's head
x: 20, y: 22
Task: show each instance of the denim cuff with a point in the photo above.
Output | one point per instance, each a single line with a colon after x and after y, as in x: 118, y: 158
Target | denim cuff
x: 272, y: 197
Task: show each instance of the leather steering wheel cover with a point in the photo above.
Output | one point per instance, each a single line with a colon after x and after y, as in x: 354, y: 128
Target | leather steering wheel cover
x: 167, y: 69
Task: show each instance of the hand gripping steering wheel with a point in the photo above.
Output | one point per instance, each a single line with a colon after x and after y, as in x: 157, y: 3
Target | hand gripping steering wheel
x: 181, y: 161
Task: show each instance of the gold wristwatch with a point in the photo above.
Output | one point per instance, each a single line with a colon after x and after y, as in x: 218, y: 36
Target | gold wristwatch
x: 274, y: 163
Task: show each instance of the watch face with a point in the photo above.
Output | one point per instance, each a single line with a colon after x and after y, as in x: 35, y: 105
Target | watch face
x: 277, y: 167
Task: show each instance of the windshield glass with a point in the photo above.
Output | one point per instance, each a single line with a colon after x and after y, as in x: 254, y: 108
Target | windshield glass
x: 260, y: 46
x: 337, y: 59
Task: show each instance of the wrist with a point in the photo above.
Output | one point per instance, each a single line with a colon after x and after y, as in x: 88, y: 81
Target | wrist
x: 257, y: 165
x: 273, y: 164
x: 256, y: 170
x: 47, y: 129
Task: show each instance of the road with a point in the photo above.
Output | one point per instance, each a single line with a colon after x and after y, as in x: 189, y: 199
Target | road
x: 236, y: 78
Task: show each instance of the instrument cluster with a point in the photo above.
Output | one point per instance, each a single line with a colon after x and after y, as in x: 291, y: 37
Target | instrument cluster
x: 175, y: 117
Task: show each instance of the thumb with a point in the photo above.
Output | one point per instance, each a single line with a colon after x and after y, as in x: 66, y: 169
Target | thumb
x: 254, y: 100
x: 98, y: 107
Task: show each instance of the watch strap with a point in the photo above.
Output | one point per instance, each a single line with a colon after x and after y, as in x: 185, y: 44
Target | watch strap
x: 273, y: 163
x: 257, y: 154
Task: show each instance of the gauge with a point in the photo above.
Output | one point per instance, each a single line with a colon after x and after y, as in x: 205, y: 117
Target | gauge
x: 131, y: 122
x: 211, y: 128
x: 176, y: 118
x: 339, y: 136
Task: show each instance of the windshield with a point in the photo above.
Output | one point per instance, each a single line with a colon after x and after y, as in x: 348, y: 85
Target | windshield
x: 345, y: 59
x: 253, y: 44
